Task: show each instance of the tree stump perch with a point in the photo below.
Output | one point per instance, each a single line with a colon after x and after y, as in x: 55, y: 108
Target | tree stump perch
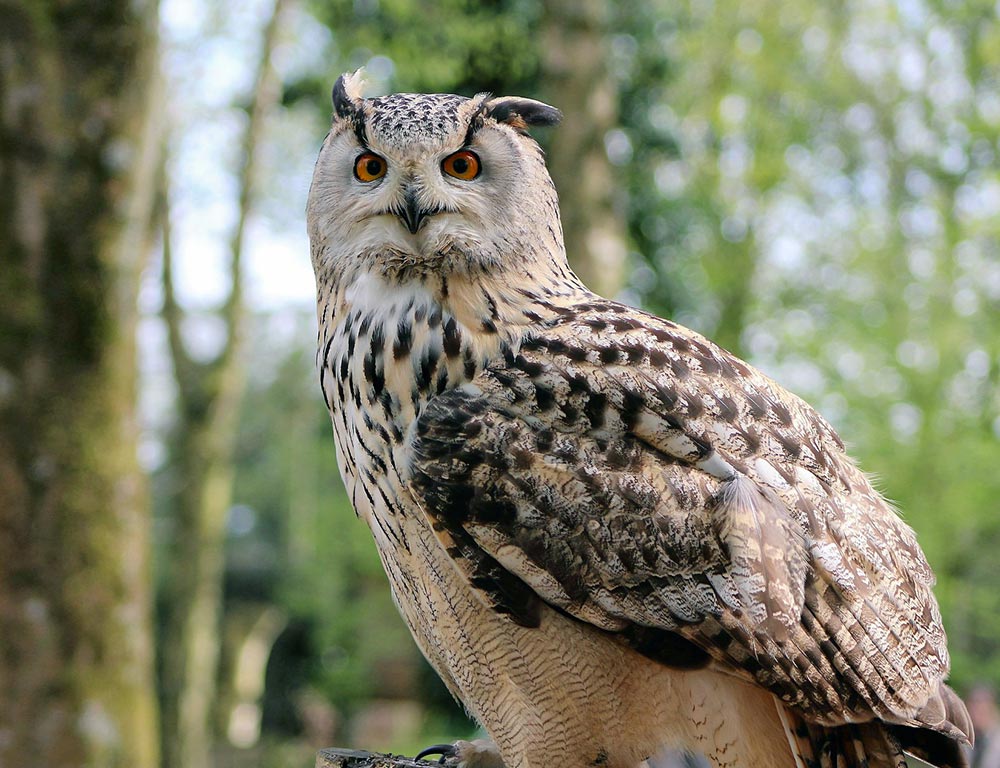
x: 353, y: 758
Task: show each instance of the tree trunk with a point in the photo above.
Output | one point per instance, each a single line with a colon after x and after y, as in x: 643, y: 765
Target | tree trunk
x: 574, y: 70
x: 209, y: 395
x: 78, y: 143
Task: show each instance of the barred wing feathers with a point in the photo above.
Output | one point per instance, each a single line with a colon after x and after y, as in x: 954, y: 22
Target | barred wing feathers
x: 641, y: 479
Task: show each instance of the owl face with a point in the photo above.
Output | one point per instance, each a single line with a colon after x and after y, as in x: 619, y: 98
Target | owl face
x: 420, y: 183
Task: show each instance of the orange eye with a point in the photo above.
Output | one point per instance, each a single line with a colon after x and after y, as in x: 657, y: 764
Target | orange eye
x: 462, y: 165
x: 369, y: 167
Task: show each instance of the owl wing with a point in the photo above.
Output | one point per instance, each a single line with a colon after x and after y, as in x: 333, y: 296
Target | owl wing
x: 633, y: 475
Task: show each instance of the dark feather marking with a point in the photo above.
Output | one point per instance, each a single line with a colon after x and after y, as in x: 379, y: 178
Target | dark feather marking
x: 452, y: 338
x: 374, y: 426
x: 326, y: 351
x: 740, y: 367
x: 792, y: 447
x: 753, y: 439
x: 428, y: 362
x: 366, y: 323
x: 782, y: 412
x: 758, y: 405
x: 570, y: 413
x: 709, y: 365
x: 544, y: 397
x: 576, y: 354
x: 322, y: 385
x: 702, y: 444
x: 667, y: 648
x: 695, y: 407
x: 373, y: 375
x: 609, y: 355
x: 559, y: 310
x: 680, y: 370
x: 403, y: 542
x: 387, y: 531
x: 375, y: 458
x: 617, y: 457
x: 434, y: 319
x: 623, y: 323
x: 596, y: 408
x: 544, y: 440
x: 389, y: 405
x: 727, y: 408
x: 507, y: 354
x: 530, y: 367
x: 632, y: 405
x: 726, y: 369
x: 667, y: 395
x: 658, y: 358
x: 504, y: 378
x: 555, y: 346
x: 442, y: 380
x: 491, y: 303
x: 635, y: 353
x: 468, y: 363
x: 404, y: 339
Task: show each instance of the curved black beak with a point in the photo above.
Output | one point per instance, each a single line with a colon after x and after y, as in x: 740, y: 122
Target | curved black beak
x: 411, y: 214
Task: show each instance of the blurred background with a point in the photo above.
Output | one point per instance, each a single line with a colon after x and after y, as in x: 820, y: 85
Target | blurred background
x: 813, y: 184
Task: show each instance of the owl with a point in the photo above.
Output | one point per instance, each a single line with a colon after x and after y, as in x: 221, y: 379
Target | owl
x: 606, y: 534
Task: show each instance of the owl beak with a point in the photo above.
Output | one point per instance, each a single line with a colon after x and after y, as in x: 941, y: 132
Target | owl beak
x: 411, y: 214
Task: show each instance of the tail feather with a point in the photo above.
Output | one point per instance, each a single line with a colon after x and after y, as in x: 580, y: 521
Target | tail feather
x: 855, y: 745
x: 946, y: 713
x: 936, y: 735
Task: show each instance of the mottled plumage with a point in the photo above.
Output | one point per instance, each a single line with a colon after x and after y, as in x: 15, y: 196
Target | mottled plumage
x: 606, y: 533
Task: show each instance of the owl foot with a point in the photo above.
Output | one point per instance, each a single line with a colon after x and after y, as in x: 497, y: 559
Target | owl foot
x: 481, y: 753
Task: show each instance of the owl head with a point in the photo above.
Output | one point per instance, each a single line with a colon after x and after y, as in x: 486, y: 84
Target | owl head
x: 412, y: 184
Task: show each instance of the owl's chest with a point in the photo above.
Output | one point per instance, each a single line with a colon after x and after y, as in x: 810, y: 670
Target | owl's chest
x: 381, y: 360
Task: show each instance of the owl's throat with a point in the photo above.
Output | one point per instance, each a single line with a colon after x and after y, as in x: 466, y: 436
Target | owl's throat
x: 387, y: 346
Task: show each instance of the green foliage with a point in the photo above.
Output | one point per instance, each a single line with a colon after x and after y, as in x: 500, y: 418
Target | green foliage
x: 455, y: 46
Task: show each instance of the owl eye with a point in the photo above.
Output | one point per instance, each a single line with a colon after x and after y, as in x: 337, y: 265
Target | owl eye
x: 462, y: 165
x: 369, y: 167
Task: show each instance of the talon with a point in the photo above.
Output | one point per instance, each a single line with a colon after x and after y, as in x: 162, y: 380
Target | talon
x: 445, y: 750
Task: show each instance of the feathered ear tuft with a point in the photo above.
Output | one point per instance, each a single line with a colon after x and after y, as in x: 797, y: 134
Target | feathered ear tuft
x: 521, y: 113
x: 347, y: 95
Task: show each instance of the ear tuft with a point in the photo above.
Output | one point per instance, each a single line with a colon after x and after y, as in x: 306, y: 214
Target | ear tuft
x: 347, y: 95
x: 522, y: 113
